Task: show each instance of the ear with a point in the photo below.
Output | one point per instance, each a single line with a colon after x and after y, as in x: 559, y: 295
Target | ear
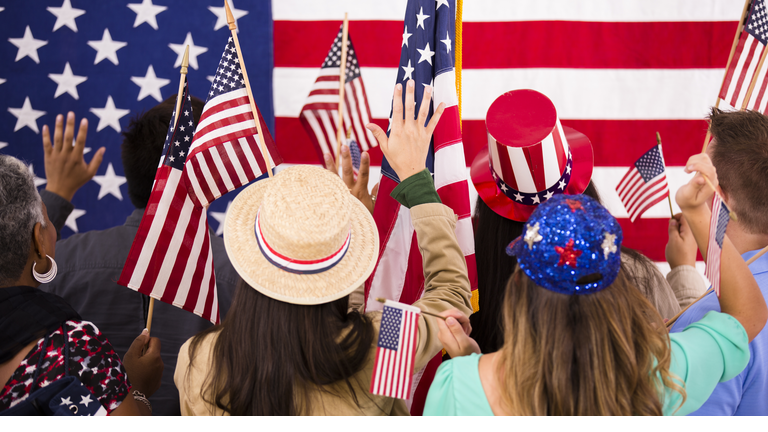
x: 38, y: 241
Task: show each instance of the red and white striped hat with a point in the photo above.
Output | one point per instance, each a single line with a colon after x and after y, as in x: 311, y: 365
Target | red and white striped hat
x: 530, y: 156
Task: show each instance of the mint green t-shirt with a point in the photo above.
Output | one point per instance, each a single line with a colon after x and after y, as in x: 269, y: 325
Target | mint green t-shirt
x: 711, y: 350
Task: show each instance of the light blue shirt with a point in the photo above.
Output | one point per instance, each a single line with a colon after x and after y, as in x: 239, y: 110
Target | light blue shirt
x: 747, y: 393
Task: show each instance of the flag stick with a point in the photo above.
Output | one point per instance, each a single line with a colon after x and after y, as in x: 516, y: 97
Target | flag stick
x: 254, y: 110
x: 383, y: 300
x: 754, y: 80
x: 669, y: 195
x: 342, y: 83
x: 727, y: 65
x: 179, y: 95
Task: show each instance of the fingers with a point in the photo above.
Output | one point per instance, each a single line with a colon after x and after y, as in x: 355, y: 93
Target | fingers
x: 153, y: 349
x: 410, y: 100
x: 424, y: 108
x: 447, y: 338
x: 435, y: 118
x: 347, y: 173
x: 365, y: 165
x: 375, y: 190
x: 379, y: 134
x: 397, y: 108
x: 69, y: 133
x: 93, y: 166
x: 47, y: 146
x: 58, y: 130
x: 138, y: 344
x: 673, y: 229
x: 330, y: 165
x: 460, y: 317
x: 456, y: 329
x: 82, y: 134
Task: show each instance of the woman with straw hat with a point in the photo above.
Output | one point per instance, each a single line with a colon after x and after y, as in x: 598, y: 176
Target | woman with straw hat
x: 302, y: 244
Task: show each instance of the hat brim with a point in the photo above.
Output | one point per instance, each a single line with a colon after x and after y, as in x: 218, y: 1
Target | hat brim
x: 304, y: 289
x: 583, y: 165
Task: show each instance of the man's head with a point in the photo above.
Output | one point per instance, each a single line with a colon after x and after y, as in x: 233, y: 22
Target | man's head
x: 739, y: 152
x: 143, y: 145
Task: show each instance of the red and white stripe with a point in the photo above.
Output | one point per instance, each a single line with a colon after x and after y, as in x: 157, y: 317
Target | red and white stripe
x: 712, y: 269
x: 742, y: 70
x: 637, y: 195
x: 225, y: 152
x: 320, y: 112
x: 171, y: 259
x: 393, y: 369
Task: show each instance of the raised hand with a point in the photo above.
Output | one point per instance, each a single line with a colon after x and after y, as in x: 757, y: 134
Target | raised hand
x: 407, y: 146
x: 697, y: 192
x: 359, y: 187
x: 65, y: 168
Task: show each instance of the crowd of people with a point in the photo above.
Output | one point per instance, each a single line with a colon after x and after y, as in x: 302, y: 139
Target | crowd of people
x: 570, y: 321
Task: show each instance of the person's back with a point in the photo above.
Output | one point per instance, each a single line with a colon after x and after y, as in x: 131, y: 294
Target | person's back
x: 739, y: 151
x: 90, y: 263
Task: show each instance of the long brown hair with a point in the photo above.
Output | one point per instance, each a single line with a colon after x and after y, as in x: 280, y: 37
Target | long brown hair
x: 270, y: 355
x: 604, y: 353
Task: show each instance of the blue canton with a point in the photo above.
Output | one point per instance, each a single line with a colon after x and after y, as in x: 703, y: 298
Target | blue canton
x: 757, y: 22
x: 723, y: 217
x: 427, y: 50
x: 178, y: 141
x: 651, y: 164
x: 354, y: 152
x: 333, y: 60
x: 389, y: 333
x: 228, y: 75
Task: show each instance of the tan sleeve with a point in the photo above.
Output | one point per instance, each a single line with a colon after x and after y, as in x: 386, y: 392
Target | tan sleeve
x: 357, y: 300
x: 446, y: 284
x: 687, y: 284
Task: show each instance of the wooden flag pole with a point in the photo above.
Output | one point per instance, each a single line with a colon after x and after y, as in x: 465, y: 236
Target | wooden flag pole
x: 254, y: 110
x: 179, y: 95
x: 342, y: 84
x: 669, y: 195
x: 727, y: 65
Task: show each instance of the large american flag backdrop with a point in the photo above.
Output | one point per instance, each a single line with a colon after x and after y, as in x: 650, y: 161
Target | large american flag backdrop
x: 616, y: 71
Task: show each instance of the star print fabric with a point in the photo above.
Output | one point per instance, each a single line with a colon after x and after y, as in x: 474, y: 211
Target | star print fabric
x: 567, y: 239
x: 92, y: 360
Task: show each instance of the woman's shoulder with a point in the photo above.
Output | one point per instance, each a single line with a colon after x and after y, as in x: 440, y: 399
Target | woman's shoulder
x: 457, y: 390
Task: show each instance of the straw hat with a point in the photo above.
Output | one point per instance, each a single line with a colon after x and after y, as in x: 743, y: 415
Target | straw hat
x: 530, y: 156
x: 301, y: 237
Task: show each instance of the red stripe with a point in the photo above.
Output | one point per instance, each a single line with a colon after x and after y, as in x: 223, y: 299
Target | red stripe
x: 249, y: 173
x: 359, y: 106
x: 447, y: 131
x: 759, y: 94
x: 363, y: 98
x: 215, y: 174
x: 456, y: 196
x: 313, y: 141
x: 182, y: 254
x: 255, y: 147
x: 625, y: 181
x: 743, y: 72
x: 471, y: 270
x: 414, y: 277
x: 632, y: 199
x: 639, y: 212
x: 559, y: 149
x: 732, y: 66
x: 507, y: 173
x: 634, y: 45
x: 535, y: 160
x: 194, y: 164
x: 229, y: 166
x: 197, y: 277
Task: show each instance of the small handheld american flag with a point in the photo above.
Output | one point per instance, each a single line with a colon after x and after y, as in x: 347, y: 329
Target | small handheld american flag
x: 645, y: 184
x: 395, y: 351
x: 356, y: 155
x: 745, y: 66
x: 717, y: 225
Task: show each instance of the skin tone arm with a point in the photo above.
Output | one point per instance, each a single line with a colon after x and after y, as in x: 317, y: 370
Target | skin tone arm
x: 740, y: 295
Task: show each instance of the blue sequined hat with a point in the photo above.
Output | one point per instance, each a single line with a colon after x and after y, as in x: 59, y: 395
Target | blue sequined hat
x: 570, y: 245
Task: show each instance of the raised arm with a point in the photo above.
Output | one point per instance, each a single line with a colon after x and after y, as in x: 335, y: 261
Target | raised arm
x: 740, y: 295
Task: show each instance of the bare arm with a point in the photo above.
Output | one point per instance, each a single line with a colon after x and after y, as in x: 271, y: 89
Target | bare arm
x: 740, y: 295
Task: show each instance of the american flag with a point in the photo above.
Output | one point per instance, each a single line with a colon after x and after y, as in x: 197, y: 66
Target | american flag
x: 171, y: 258
x: 320, y: 116
x: 395, y: 351
x: 745, y: 65
x: 645, y: 184
x: 717, y: 225
x: 225, y: 152
x: 356, y: 155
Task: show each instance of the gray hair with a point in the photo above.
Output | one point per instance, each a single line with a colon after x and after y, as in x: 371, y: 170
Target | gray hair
x: 20, y: 209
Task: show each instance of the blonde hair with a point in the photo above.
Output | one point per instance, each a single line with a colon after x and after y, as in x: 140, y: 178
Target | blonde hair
x: 604, y: 353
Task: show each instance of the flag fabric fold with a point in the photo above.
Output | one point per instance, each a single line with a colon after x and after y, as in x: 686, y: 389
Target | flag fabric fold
x: 395, y: 351
x: 645, y: 184
x: 171, y: 258
x: 717, y: 226
x: 225, y: 152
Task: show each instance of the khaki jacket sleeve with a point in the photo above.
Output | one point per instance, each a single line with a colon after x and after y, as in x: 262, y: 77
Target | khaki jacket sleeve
x: 687, y: 284
x: 446, y: 284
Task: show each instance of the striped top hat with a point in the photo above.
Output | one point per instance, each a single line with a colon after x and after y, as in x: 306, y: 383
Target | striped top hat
x: 530, y: 156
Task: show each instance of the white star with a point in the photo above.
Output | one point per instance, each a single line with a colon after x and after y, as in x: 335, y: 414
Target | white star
x: 220, y: 216
x: 110, y: 183
x: 210, y: 78
x: 504, y: 187
x: 146, y: 12
x: 106, y: 48
x: 568, y: 169
x: 66, y: 401
x: 561, y: 185
x: 532, y: 235
x: 548, y: 195
x: 2, y: 80
x: 519, y: 197
x: 447, y: 41
x: 442, y: 2
x: 86, y: 400
x: 421, y: 17
x: 26, y: 116
x: 150, y: 85
x: 221, y: 15
x: 2, y: 8
x: 72, y: 219
x: 27, y: 46
x: 194, y: 51
x: 67, y: 82
x: 406, y: 36
x: 536, y: 199
x: 109, y: 115
x: 609, y: 244
x: 408, y: 71
x: 65, y: 16
x: 38, y: 181
x: 426, y: 54
x: 3, y: 144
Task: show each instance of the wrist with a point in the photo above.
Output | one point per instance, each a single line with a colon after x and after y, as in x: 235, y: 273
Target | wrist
x: 62, y: 192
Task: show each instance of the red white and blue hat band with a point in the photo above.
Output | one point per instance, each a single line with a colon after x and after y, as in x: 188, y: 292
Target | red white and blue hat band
x: 294, y: 265
x: 532, y: 169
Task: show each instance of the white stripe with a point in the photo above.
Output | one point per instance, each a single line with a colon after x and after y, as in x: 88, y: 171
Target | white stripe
x: 206, y: 121
x: 627, y: 183
x: 235, y: 162
x: 465, y: 235
x: 646, y: 197
x: 189, y: 269
x: 309, y: 115
x: 563, y: 140
x: 523, y: 175
x: 448, y: 163
x: 750, y: 73
x: 520, y: 10
x: 194, y: 175
x: 323, y: 98
x: 641, y: 191
x: 552, y: 171
x: 390, y: 275
x: 377, y: 372
x: 153, y: 235
x: 326, y: 85
x: 203, y: 164
x: 223, y: 131
x: 329, y: 130
x: 207, y: 275
x: 585, y: 94
x: 250, y: 156
x: 351, y: 104
x: 371, y: 140
x: 223, y: 173
x: 445, y: 89
x: 733, y: 86
x: 756, y: 91
x: 493, y: 152
x: 172, y: 249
